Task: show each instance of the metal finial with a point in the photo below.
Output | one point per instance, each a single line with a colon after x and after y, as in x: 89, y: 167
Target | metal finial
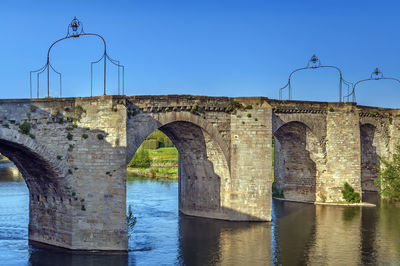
x: 377, y: 74
x: 74, y: 26
x: 314, y: 61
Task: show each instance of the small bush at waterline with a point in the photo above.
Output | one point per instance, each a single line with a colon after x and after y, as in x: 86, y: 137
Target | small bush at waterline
x: 277, y: 192
x: 349, y: 195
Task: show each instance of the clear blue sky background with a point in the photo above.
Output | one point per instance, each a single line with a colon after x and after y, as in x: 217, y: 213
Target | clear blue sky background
x: 207, y: 47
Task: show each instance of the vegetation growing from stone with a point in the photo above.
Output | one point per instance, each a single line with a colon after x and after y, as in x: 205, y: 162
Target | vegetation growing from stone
x: 71, y: 147
x: 233, y: 106
x: 85, y: 136
x: 70, y: 136
x: 78, y: 113
x: 277, y: 192
x: 100, y: 136
x: 25, y: 128
x: 349, y: 195
x: 130, y: 219
x: 388, y: 180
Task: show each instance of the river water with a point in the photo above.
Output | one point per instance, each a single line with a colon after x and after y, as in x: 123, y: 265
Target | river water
x: 299, y: 233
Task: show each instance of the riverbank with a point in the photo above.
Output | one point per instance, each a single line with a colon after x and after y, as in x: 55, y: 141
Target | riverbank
x: 154, y: 172
x: 162, y: 164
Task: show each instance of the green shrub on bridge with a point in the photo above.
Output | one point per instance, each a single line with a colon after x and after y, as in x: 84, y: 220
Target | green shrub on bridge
x: 25, y: 128
x: 388, y: 180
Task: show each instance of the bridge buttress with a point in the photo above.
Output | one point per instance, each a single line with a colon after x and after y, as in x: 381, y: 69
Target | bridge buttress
x: 343, y: 152
x: 249, y: 197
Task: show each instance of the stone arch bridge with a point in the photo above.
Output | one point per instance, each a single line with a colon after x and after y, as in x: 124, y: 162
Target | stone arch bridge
x: 73, y: 152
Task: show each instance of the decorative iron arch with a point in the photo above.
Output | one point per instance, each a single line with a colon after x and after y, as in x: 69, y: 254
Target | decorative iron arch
x: 75, y: 30
x: 376, y: 75
x: 314, y: 63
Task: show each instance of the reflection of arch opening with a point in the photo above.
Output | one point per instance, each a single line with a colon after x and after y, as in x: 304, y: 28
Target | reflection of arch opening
x: 295, y: 166
x: 369, y: 157
x: 202, y: 163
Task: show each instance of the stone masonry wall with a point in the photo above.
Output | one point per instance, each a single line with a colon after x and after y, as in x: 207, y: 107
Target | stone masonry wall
x: 75, y: 178
x: 251, y: 159
x: 343, y: 151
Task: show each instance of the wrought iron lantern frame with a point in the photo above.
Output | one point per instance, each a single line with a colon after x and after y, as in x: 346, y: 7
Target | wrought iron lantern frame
x: 376, y: 75
x: 75, y: 30
x: 314, y: 63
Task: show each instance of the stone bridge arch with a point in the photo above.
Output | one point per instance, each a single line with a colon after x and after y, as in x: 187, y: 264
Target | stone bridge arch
x: 374, y: 140
x: 299, y: 161
x: 203, y: 158
x: 43, y: 175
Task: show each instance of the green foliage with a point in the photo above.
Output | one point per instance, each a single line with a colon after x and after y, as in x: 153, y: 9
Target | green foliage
x: 59, y: 157
x: 70, y: 136
x: 388, y: 180
x: 32, y: 136
x: 140, y: 159
x: 331, y: 109
x: 256, y: 119
x: 69, y: 128
x: 277, y: 192
x: 151, y: 144
x: 233, y: 106
x: 71, y: 147
x: 69, y: 171
x: 162, y: 138
x: 33, y: 109
x: 100, y: 136
x: 349, y: 195
x: 12, y: 121
x: 73, y: 194
x: 248, y: 115
x: 85, y: 136
x: 249, y: 107
x: 130, y: 219
x: 83, y: 208
x: 390, y: 120
x: 24, y: 128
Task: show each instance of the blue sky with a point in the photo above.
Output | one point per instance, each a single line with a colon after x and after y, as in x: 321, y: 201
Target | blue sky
x: 216, y: 48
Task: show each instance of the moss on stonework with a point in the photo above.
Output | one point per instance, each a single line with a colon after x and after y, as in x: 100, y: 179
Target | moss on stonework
x: 25, y: 128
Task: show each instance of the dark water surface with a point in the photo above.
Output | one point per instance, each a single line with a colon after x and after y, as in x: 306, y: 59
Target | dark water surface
x: 299, y: 234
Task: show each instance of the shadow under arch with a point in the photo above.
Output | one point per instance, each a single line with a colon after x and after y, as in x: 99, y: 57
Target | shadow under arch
x: 369, y: 157
x: 37, y: 165
x: 45, y: 185
x: 297, y: 155
x: 203, y: 167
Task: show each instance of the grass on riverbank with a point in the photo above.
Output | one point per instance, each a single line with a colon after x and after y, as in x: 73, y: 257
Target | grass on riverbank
x: 164, y: 157
x: 156, y: 173
x: 163, y: 164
